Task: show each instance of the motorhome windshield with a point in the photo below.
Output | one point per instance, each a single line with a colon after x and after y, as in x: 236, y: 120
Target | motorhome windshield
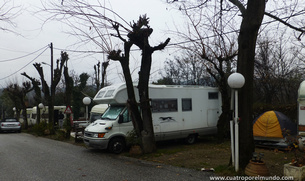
x: 112, y: 112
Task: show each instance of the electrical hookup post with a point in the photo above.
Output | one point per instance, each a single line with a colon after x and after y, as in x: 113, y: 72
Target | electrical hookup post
x: 235, y: 81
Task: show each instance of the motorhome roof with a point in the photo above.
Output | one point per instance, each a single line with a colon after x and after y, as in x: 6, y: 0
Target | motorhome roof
x: 117, y: 93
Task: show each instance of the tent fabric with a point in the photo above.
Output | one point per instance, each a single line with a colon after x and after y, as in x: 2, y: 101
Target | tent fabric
x: 273, y: 124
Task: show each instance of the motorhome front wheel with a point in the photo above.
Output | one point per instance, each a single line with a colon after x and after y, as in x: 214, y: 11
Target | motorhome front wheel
x: 116, y: 145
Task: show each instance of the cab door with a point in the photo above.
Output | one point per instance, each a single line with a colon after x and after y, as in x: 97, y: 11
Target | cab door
x: 126, y: 124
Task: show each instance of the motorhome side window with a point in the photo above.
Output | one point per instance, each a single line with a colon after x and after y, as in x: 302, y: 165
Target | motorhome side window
x: 186, y: 104
x: 164, y: 105
x: 101, y: 94
x: 109, y: 93
x: 213, y: 95
x: 126, y: 117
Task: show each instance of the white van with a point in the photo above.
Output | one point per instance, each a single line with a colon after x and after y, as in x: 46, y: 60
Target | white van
x: 177, y: 112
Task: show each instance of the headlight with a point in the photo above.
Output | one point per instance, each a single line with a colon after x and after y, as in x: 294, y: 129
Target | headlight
x: 98, y: 135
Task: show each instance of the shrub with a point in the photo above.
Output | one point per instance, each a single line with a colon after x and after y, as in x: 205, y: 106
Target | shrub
x: 40, y: 129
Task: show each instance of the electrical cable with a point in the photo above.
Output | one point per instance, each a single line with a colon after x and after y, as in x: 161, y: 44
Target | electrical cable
x: 25, y: 65
x: 7, y: 60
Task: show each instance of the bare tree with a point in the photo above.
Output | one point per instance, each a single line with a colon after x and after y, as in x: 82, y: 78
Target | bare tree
x: 139, y: 36
x: 278, y: 71
x: 138, y: 33
x: 204, y: 36
x: 97, y: 71
x: 49, y: 91
x: 252, y: 12
x: 188, y: 69
x: 97, y: 74
x: 104, y: 74
x: 68, y: 98
x: 18, y: 95
x: 37, y: 97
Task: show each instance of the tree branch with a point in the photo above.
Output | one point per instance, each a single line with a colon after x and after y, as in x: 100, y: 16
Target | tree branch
x: 161, y: 45
x: 287, y: 24
x: 240, y: 6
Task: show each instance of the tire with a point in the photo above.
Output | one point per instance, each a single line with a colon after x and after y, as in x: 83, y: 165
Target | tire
x: 191, y: 139
x: 116, y: 145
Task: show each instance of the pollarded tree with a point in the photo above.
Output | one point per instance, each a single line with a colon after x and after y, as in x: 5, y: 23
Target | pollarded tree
x: 97, y: 74
x: 18, y: 95
x: 68, y: 98
x: 138, y: 33
x: 49, y: 91
x: 37, y: 90
x: 104, y: 70
x: 139, y: 36
x: 78, y: 96
x: 97, y: 71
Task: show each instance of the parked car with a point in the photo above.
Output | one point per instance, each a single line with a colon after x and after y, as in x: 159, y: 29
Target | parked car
x: 10, y: 124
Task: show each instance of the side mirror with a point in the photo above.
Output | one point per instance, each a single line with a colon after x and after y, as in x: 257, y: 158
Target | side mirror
x: 120, y: 119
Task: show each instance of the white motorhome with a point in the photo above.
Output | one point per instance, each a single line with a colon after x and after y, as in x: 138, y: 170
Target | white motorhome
x: 177, y: 112
x: 44, y: 114
x: 28, y: 114
x: 301, y: 109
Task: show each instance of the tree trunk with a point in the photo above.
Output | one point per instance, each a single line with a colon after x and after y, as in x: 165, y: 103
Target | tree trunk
x: 132, y: 103
x: 104, y: 68
x: 24, y: 115
x: 38, y: 114
x: 251, y: 23
x: 68, y: 97
x: 223, y: 124
x: 51, y: 112
x: 148, y: 137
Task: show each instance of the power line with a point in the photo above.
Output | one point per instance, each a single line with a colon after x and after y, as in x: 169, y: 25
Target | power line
x: 79, y: 51
x: 137, y: 49
x: 7, y: 60
x: 26, y: 64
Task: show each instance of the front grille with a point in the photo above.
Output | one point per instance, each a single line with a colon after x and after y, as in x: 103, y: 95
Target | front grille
x: 88, y: 134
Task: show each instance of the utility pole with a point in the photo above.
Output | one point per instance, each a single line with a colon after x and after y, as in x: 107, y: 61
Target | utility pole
x: 51, y: 63
x: 51, y: 101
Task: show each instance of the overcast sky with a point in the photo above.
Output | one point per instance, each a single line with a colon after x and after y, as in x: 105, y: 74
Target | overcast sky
x: 19, y: 52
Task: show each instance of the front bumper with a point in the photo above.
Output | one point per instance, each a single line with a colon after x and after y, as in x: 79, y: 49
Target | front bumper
x: 99, y: 143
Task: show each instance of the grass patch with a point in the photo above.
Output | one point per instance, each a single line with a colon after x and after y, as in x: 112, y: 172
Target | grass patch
x: 169, y: 151
x: 225, y: 170
x: 208, y: 153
